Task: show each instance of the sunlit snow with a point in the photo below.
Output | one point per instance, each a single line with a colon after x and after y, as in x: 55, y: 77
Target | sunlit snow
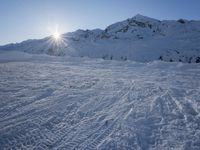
x: 80, y: 103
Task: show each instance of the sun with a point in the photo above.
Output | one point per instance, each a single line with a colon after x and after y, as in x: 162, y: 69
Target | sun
x: 56, y: 36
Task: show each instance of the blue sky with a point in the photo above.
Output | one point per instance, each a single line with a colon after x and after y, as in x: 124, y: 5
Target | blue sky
x: 30, y: 19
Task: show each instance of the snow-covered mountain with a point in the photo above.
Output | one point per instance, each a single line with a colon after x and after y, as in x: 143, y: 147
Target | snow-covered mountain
x: 139, y: 38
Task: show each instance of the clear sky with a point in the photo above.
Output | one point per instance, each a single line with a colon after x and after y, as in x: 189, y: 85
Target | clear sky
x: 30, y: 19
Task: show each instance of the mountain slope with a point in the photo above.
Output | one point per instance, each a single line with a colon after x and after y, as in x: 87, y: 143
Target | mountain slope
x: 139, y: 38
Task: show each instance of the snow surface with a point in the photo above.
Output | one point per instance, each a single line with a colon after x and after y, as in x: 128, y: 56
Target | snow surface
x: 139, y: 38
x: 68, y: 103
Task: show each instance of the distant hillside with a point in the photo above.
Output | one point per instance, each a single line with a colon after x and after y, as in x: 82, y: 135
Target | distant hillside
x: 139, y: 39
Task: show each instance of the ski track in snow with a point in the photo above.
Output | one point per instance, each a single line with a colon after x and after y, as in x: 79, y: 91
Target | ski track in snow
x: 95, y: 104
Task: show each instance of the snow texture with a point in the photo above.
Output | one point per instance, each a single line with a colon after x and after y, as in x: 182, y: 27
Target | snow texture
x: 68, y: 103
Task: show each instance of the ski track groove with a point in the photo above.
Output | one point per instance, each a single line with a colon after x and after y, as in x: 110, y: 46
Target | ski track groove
x: 73, y: 106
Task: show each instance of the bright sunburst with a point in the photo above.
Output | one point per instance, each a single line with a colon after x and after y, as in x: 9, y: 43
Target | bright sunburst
x: 56, y: 35
x: 57, y: 40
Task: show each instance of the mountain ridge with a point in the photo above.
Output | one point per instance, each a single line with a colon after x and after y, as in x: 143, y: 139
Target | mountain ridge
x: 139, y: 38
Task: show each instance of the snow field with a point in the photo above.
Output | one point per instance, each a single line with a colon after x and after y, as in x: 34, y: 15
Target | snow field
x: 97, y: 104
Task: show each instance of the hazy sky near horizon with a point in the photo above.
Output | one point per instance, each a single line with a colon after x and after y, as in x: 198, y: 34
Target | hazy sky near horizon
x: 32, y: 19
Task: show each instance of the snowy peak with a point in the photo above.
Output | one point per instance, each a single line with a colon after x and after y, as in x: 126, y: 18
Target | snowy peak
x: 137, y: 27
x: 142, y: 18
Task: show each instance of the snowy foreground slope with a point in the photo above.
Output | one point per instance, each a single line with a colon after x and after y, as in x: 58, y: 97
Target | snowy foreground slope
x: 78, y: 103
x: 139, y: 38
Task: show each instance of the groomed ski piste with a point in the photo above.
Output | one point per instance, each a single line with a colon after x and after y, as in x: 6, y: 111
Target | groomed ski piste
x: 49, y: 102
